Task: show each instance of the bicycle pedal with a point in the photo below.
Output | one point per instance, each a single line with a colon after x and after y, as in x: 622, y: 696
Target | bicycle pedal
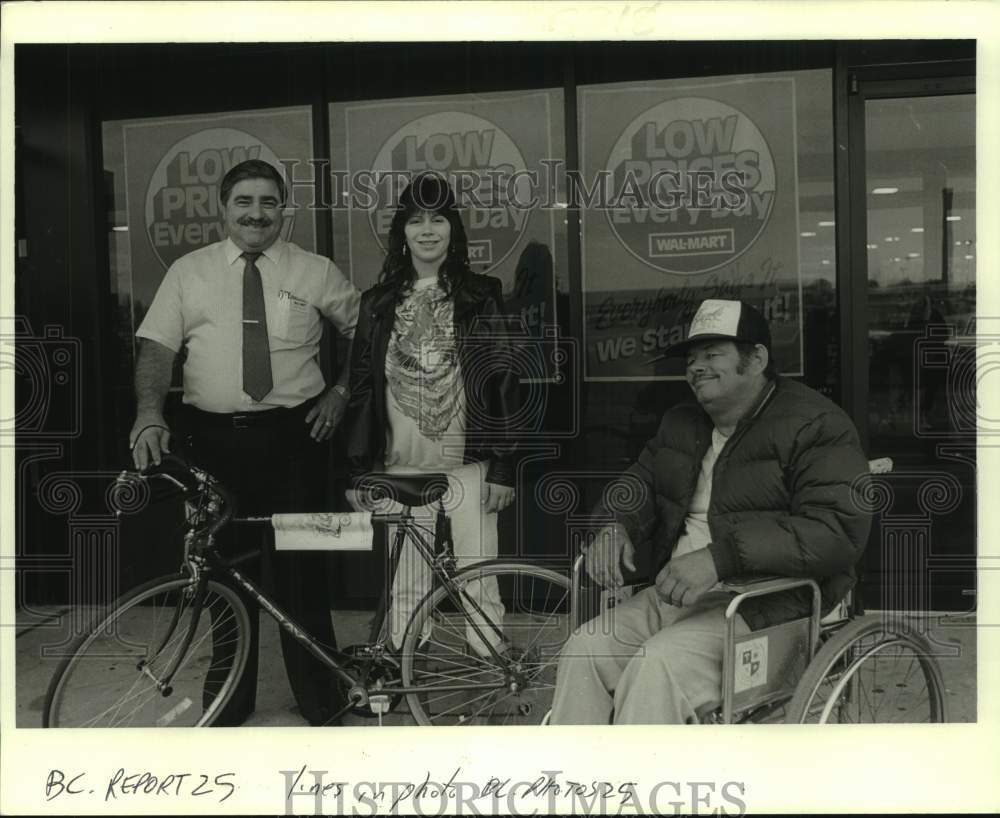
x: 379, y: 705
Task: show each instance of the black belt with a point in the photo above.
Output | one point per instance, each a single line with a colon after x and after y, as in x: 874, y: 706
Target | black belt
x: 249, y: 420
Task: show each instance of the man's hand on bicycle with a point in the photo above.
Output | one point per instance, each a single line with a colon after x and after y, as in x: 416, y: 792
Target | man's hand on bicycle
x: 149, y: 440
x: 604, y: 557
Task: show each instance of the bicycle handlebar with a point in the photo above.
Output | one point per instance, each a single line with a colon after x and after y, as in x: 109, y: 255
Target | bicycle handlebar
x: 191, y: 481
x: 176, y: 469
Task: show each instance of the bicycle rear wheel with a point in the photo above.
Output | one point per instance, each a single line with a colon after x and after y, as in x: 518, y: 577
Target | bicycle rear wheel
x: 461, y: 682
x: 109, y: 678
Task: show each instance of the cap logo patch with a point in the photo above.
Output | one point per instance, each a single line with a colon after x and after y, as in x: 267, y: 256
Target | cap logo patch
x: 716, y: 317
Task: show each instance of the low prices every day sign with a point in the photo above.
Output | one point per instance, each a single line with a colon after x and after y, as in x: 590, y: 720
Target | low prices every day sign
x: 491, y: 147
x: 456, y: 142
x: 174, y: 168
x: 183, y: 211
x: 694, y: 197
x: 698, y: 185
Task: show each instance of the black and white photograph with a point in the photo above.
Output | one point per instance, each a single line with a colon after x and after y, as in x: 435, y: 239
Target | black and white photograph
x: 609, y: 384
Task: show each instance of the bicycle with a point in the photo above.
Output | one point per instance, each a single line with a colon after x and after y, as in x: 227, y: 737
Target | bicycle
x: 156, y: 659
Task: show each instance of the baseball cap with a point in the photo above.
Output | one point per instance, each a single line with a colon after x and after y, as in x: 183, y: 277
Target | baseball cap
x: 720, y: 320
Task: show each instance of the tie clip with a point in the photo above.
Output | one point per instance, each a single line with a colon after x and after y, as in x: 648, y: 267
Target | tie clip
x: 250, y: 321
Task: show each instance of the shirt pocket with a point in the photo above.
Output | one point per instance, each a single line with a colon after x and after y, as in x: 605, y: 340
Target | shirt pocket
x: 293, y: 319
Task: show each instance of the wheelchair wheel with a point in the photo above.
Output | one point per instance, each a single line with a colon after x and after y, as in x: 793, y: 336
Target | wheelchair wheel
x: 460, y: 681
x: 108, y: 678
x: 872, y: 671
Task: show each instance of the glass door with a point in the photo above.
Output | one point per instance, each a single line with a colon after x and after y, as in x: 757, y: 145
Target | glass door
x: 920, y: 294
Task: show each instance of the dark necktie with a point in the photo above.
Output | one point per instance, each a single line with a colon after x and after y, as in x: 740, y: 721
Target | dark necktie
x: 257, y: 380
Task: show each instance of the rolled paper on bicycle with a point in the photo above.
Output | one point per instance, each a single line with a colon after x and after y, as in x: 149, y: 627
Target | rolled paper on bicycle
x: 336, y: 531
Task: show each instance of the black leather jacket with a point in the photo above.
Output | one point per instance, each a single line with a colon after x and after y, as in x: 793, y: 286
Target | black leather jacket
x: 492, y: 388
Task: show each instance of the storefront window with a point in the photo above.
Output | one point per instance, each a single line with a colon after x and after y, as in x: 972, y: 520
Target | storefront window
x: 504, y: 154
x: 921, y: 193
x: 162, y: 176
x: 719, y: 188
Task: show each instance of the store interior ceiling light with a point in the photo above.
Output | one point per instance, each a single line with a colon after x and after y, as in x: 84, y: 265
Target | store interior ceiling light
x: 826, y: 224
x: 885, y: 191
x: 953, y: 218
x: 807, y: 234
x: 916, y: 230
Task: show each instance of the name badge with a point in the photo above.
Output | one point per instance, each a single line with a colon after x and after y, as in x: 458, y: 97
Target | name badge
x: 293, y: 319
x: 292, y: 301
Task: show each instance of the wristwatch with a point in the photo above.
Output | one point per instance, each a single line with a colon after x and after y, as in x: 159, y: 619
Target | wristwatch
x: 341, y: 390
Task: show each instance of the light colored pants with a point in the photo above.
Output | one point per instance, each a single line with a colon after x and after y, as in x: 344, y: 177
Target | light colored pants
x: 475, y: 537
x: 643, y: 662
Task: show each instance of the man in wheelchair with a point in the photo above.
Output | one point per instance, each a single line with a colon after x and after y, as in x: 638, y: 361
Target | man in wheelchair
x: 754, y: 478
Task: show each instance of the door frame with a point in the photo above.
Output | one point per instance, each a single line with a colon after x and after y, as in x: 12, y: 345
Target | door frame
x: 853, y: 87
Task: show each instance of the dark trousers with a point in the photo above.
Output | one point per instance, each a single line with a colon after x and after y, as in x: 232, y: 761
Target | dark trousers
x: 272, y: 465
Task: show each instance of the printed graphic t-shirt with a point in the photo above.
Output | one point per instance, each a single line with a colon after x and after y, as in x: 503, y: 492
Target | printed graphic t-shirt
x: 425, y: 394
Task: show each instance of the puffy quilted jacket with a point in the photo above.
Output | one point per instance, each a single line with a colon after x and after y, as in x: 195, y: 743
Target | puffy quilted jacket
x: 782, y: 499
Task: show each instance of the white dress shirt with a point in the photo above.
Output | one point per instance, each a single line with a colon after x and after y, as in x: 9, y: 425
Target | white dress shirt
x: 199, y: 306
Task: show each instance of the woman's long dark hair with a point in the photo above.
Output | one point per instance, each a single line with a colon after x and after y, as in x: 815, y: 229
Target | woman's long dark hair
x: 426, y: 192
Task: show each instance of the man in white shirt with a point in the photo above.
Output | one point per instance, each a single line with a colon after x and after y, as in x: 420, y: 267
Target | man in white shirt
x: 247, y: 313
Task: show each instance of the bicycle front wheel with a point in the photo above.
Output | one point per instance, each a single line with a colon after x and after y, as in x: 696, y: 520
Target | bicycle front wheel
x: 115, y: 674
x: 522, y: 611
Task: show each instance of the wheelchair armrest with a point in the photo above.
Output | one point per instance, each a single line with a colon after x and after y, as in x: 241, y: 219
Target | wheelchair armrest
x: 746, y: 588
x: 751, y: 587
x: 739, y: 585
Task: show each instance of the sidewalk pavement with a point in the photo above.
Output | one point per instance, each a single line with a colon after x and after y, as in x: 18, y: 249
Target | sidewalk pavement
x: 955, y: 634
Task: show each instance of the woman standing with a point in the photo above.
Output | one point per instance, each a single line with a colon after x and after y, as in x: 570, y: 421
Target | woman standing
x: 432, y: 385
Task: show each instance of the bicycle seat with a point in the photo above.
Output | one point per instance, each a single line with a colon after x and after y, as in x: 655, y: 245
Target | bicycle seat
x: 406, y: 489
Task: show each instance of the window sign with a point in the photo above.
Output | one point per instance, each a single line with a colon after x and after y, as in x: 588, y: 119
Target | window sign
x: 168, y: 171
x: 688, y: 190
x: 502, y: 154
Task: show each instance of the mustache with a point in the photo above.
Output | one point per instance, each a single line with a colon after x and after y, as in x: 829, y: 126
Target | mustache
x: 250, y: 221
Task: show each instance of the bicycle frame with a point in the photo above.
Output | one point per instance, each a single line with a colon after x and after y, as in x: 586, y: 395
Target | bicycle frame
x: 440, y: 566
x: 201, y: 559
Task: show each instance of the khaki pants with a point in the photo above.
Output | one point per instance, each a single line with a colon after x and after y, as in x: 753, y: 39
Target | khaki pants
x: 643, y: 662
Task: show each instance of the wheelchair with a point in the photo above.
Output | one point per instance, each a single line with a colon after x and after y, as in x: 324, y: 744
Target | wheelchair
x: 838, y: 668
